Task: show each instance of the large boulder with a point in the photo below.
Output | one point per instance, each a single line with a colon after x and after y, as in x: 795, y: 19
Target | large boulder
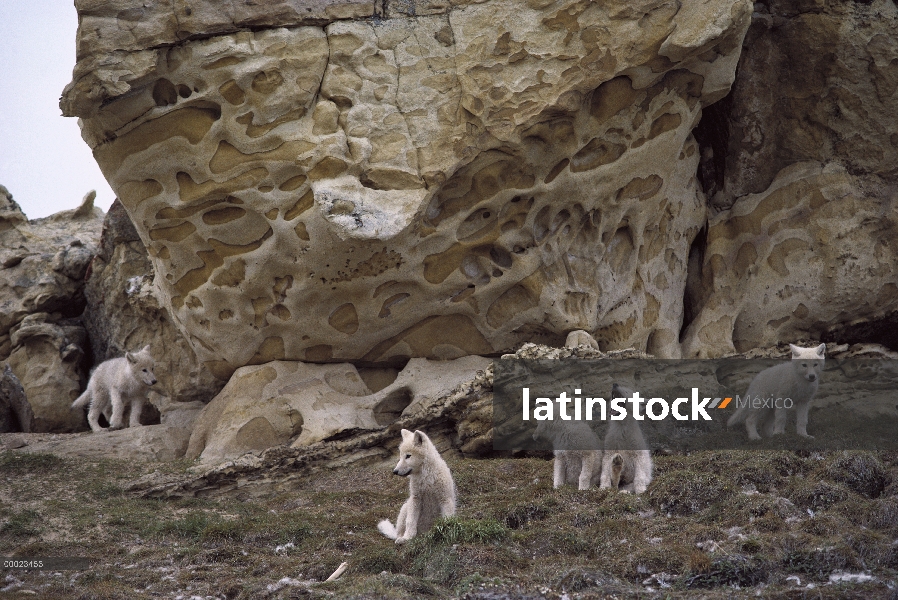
x: 147, y: 443
x: 300, y: 404
x: 437, y: 181
x: 123, y: 314
x: 801, y: 164
x: 47, y: 357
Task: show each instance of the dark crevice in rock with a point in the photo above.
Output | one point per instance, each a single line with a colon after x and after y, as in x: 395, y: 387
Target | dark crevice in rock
x: 390, y: 408
x: 692, y: 289
x: 713, y: 136
x: 882, y: 331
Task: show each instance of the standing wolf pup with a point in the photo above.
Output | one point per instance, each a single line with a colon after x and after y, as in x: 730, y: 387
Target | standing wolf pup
x: 115, y: 383
x: 578, y: 452
x: 797, y: 380
x: 627, y: 464
x: 431, y: 488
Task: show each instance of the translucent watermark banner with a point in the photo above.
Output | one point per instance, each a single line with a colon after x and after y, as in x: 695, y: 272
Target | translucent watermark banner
x: 685, y: 405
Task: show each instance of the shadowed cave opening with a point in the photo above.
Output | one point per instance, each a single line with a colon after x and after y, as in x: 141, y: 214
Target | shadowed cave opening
x: 692, y: 289
x: 713, y: 136
x: 388, y: 410
x: 882, y: 331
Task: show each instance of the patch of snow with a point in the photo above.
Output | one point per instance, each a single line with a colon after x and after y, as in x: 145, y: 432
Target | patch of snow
x: 282, y: 583
x: 663, y: 580
x: 282, y: 549
x: 12, y: 583
x: 839, y: 577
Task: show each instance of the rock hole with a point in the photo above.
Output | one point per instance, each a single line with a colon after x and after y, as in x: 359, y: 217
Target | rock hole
x: 541, y: 225
x: 378, y: 378
x: 164, y: 93
x: 713, y: 136
x: 342, y: 102
x: 470, y: 266
x: 692, y: 291
x: 388, y: 410
x: 556, y: 171
x: 621, y: 249
x: 501, y: 257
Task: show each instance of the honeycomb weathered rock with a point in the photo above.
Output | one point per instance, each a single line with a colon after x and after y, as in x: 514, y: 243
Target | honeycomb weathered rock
x: 434, y: 186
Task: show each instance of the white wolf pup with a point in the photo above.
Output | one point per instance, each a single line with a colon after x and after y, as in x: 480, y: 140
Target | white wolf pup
x: 796, y: 379
x: 431, y: 488
x: 115, y: 383
x: 627, y: 464
x: 580, y: 466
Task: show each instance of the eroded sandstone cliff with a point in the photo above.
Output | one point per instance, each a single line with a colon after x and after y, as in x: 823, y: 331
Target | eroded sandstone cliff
x: 802, y: 181
x: 326, y: 181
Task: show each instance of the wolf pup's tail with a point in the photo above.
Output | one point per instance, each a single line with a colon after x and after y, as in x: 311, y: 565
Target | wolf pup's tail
x: 82, y: 401
x: 617, y: 465
x: 388, y: 529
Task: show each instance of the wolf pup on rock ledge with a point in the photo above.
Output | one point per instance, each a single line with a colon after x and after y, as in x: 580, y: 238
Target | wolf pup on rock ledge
x: 795, y: 381
x: 115, y: 383
x: 431, y: 488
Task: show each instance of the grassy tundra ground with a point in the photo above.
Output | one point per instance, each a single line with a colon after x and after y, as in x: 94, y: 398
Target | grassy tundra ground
x: 712, y: 525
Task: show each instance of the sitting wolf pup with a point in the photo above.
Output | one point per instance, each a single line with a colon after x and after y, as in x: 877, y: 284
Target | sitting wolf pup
x: 627, y: 465
x: 431, y: 488
x: 579, y: 459
x: 797, y: 380
x: 115, y: 383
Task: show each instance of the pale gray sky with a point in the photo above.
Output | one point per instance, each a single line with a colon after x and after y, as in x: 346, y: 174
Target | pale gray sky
x: 44, y: 163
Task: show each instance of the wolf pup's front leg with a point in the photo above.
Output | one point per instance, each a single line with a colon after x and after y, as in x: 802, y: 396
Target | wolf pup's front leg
x: 559, y: 469
x: 401, y: 520
x: 780, y: 416
x: 588, y: 463
x: 643, y: 476
x: 801, y: 419
x: 411, y: 520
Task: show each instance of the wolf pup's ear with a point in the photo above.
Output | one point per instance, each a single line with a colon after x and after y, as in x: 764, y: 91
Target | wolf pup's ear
x: 131, y: 358
x: 419, y: 438
x: 795, y: 350
x: 405, y: 434
x: 821, y: 349
x: 146, y: 349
